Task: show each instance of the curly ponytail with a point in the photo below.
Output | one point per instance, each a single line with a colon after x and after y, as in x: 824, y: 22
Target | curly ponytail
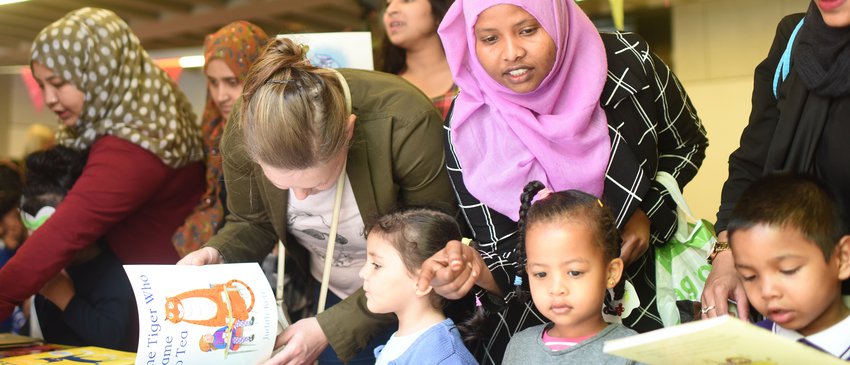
x: 293, y: 114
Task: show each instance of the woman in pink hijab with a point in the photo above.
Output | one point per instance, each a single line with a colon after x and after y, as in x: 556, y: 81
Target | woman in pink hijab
x: 545, y: 97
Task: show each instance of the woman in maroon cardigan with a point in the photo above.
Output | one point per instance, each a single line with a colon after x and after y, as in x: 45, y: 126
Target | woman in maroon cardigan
x: 143, y: 175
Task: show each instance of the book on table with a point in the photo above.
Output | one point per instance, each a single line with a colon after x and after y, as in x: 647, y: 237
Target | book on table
x: 9, y: 340
x: 78, y: 355
x: 31, y: 349
x: 721, y: 340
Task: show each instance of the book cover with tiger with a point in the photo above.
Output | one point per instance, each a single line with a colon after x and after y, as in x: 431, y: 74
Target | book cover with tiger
x: 203, y: 314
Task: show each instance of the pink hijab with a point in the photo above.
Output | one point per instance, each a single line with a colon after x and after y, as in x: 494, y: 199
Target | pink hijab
x: 557, y: 134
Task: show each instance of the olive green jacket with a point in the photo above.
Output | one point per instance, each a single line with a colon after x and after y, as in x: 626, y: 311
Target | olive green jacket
x: 396, y: 158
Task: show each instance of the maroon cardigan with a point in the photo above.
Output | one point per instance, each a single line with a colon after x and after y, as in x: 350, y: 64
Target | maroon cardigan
x: 125, y: 194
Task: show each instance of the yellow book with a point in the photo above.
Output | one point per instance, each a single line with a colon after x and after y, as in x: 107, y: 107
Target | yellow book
x: 717, y: 341
x: 79, y: 355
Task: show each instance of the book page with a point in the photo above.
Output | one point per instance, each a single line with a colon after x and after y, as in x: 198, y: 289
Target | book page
x: 211, y: 314
x: 722, y: 340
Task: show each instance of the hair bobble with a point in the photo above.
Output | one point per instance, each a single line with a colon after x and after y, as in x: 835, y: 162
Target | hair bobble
x: 542, y: 194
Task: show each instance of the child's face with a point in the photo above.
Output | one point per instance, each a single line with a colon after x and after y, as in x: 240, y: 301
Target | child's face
x: 568, y: 275
x: 388, y: 284
x: 12, y: 232
x: 787, y: 279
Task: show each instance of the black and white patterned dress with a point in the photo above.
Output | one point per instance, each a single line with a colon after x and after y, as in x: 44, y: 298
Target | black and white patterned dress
x: 653, y: 127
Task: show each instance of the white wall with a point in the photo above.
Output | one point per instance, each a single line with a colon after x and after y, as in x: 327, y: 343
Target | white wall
x: 716, y: 46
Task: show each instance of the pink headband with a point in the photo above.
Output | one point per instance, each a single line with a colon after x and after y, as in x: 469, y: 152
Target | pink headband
x: 542, y: 194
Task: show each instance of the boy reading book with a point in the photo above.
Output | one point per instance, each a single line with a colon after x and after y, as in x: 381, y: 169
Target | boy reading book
x: 791, y: 247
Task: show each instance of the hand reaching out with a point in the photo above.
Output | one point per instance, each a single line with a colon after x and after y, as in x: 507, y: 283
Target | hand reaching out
x: 454, y: 270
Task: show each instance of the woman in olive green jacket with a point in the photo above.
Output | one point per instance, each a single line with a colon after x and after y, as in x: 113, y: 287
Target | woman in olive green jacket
x: 297, y: 130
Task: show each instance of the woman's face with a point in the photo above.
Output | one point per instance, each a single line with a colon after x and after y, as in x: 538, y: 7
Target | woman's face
x: 513, y: 47
x: 223, y: 85
x: 408, y: 21
x: 309, y: 181
x: 61, y: 96
x: 312, y: 180
x: 836, y: 13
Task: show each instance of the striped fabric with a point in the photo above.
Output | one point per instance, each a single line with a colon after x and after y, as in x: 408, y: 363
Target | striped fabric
x: 443, y: 103
x: 561, y: 343
x: 653, y: 127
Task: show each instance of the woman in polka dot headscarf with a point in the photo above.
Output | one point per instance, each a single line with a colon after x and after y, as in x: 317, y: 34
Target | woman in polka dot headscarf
x: 143, y: 175
x: 229, y: 53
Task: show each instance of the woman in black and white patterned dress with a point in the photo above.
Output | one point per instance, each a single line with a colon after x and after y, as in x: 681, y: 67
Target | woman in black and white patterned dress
x: 545, y: 97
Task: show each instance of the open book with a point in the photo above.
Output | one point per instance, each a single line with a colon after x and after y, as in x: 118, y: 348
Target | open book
x: 721, y: 340
x: 210, y: 314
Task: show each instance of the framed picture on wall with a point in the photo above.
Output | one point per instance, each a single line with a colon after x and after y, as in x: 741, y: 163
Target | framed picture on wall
x: 337, y: 49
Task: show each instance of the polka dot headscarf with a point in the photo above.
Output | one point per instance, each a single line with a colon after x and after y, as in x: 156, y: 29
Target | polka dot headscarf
x: 126, y: 94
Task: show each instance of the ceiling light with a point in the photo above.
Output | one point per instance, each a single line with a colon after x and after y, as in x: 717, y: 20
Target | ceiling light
x: 191, y: 61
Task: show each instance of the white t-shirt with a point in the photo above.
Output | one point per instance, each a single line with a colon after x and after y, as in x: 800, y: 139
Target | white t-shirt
x: 834, y: 340
x: 397, y: 345
x: 310, y: 223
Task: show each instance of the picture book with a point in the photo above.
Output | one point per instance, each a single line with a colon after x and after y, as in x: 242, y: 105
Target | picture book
x: 79, y: 355
x: 721, y: 340
x: 210, y: 314
x: 12, y: 340
x: 337, y: 49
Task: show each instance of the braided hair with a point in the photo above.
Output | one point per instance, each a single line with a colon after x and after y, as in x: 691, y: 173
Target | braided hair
x: 572, y: 205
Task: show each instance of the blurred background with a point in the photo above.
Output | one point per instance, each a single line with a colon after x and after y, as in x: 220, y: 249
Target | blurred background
x: 712, y: 45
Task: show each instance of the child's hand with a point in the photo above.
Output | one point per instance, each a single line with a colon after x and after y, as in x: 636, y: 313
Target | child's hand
x: 635, y: 237
x: 59, y: 290
x: 453, y: 271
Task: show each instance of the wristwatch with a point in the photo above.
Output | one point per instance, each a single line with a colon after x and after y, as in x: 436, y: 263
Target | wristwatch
x: 718, y: 248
